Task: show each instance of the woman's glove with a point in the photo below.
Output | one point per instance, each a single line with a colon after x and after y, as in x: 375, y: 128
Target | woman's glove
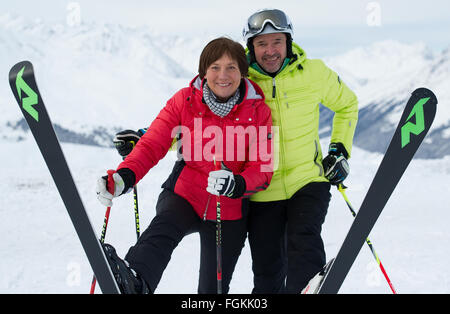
x: 224, y: 182
x: 221, y: 182
x: 113, y: 185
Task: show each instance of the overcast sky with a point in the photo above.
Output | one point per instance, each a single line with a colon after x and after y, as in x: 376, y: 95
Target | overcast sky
x: 323, y: 25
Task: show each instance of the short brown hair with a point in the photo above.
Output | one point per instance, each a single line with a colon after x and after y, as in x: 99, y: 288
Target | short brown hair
x: 216, y: 48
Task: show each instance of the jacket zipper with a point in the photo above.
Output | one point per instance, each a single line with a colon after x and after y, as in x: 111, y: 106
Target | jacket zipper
x: 282, y: 161
x: 316, y: 154
x: 274, y: 89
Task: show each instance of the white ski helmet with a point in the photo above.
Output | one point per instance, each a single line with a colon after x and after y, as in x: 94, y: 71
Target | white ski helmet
x: 267, y: 21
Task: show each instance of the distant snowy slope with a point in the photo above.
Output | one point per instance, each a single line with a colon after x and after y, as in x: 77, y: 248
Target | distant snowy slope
x: 383, y: 75
x: 388, y: 69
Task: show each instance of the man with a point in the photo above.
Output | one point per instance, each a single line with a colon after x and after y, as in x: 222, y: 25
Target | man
x: 293, y: 208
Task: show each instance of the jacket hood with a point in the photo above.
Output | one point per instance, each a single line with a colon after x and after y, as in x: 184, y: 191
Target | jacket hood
x: 297, y: 50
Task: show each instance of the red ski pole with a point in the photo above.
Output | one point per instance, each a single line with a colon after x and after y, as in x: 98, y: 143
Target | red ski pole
x: 110, y: 186
x: 218, y: 237
x: 341, y: 188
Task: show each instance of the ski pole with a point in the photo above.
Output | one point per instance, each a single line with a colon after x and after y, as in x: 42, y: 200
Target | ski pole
x: 118, y: 143
x: 341, y: 188
x: 136, y: 209
x: 218, y: 238
x: 105, y: 221
x: 136, y: 212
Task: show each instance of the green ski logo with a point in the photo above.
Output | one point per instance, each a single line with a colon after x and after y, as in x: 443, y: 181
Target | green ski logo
x: 31, y: 99
x: 410, y: 127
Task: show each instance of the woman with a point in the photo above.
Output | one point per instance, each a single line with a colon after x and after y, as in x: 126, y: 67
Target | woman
x: 226, y: 157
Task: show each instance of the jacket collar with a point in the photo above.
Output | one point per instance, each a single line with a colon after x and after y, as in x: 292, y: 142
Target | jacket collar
x: 250, y: 91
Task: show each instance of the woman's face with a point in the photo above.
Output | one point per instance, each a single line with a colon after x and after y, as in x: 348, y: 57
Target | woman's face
x: 223, y: 77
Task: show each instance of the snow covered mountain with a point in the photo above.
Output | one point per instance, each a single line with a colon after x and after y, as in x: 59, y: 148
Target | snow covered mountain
x: 97, y: 79
x: 383, y: 75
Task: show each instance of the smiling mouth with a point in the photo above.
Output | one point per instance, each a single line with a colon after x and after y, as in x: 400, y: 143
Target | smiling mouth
x: 271, y: 59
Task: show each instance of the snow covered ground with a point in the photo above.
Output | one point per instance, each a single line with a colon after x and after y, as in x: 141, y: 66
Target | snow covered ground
x: 40, y: 252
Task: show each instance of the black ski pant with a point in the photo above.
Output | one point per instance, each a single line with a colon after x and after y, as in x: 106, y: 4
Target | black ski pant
x: 176, y: 218
x: 266, y: 236
x: 285, y: 239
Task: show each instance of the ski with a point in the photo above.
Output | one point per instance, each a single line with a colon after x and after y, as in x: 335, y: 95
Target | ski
x: 414, y: 124
x: 24, y: 88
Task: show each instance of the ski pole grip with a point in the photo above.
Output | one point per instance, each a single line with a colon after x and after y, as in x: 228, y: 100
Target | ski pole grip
x: 110, y: 182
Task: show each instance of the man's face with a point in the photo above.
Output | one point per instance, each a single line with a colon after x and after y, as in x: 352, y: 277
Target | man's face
x: 270, y: 51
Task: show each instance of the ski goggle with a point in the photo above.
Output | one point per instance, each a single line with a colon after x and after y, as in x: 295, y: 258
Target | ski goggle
x: 257, y: 22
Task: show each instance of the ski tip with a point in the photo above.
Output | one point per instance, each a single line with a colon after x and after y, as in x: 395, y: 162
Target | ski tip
x: 428, y: 104
x: 425, y: 92
x: 22, y: 64
x: 26, y: 65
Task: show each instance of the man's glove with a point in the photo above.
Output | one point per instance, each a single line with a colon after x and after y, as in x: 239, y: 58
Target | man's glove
x: 335, y: 164
x: 223, y: 182
x: 124, y: 141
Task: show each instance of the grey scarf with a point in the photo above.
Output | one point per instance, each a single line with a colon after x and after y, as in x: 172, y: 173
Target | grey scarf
x: 220, y: 109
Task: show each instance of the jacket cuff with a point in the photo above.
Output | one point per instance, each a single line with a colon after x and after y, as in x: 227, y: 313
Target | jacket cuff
x: 239, y: 187
x: 337, y: 149
x: 128, y: 177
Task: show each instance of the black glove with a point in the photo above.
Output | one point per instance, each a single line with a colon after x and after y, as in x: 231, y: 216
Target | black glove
x: 124, y: 141
x: 335, y: 164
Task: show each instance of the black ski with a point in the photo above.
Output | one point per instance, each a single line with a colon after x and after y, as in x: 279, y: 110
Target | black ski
x: 414, y: 124
x: 24, y: 88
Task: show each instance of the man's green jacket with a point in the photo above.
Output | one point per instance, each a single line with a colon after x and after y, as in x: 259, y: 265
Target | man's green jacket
x: 293, y: 96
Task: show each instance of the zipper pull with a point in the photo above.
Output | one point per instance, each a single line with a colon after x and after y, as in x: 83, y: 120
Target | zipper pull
x: 273, y: 88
